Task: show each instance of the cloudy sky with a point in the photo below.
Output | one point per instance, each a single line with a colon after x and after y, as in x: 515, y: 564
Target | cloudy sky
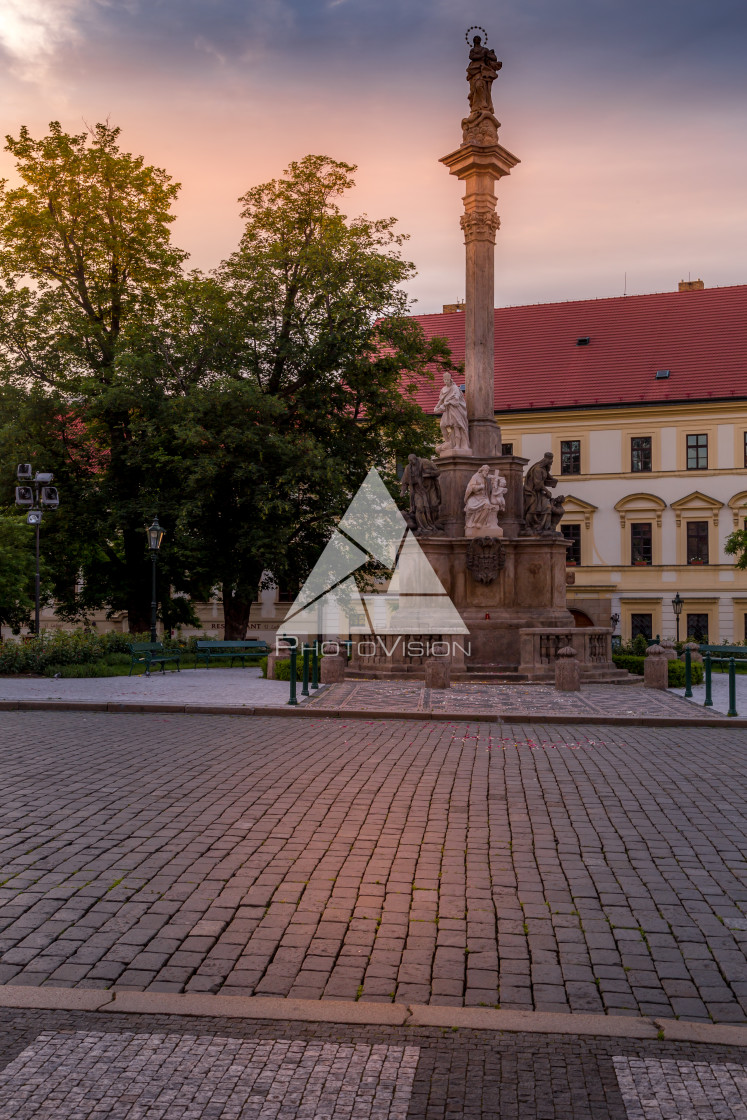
x: 629, y: 117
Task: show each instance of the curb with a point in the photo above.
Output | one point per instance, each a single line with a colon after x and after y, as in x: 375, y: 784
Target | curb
x: 350, y: 1012
x: 362, y: 713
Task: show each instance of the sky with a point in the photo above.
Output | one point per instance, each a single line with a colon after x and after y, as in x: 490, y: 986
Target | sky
x: 629, y: 118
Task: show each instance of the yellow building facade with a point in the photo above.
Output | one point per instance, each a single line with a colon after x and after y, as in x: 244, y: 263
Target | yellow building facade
x: 652, y: 493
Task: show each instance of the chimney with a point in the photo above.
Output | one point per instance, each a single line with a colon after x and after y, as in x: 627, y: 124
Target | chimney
x: 451, y: 308
x: 690, y: 286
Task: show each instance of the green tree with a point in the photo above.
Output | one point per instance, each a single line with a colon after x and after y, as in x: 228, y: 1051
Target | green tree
x: 86, y: 261
x: 318, y: 387
x: 17, y: 571
x: 736, y: 545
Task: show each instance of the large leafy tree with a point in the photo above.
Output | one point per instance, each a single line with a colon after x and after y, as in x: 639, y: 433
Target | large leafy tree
x: 244, y: 407
x: 313, y: 395
x: 85, y: 261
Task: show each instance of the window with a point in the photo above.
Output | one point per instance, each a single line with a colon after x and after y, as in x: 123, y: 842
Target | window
x: 640, y: 454
x: 697, y: 542
x: 640, y: 543
x: 507, y: 449
x: 697, y: 453
x: 642, y: 624
x: 570, y: 456
x: 572, y: 533
x: 697, y: 627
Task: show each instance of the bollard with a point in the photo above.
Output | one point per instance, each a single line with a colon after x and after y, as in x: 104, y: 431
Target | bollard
x: 688, y: 676
x: 708, y: 702
x: 315, y: 665
x: 732, y: 687
x: 293, y: 699
x: 305, y: 671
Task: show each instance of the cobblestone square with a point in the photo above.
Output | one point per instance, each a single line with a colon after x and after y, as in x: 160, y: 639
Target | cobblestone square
x: 574, y: 869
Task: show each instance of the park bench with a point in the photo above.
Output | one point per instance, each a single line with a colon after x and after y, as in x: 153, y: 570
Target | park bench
x: 151, y: 653
x: 219, y: 651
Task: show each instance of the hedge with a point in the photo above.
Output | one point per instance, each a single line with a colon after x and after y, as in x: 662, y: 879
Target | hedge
x: 635, y: 665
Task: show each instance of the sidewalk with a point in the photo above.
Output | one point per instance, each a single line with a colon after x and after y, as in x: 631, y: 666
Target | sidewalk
x: 234, y: 687
x: 237, y: 691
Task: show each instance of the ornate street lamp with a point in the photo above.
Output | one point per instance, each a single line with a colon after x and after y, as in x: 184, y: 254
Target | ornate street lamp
x: 39, y: 495
x: 677, y: 605
x: 614, y: 621
x: 155, y: 536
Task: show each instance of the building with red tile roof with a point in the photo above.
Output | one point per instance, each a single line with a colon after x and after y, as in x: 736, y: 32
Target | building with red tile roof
x: 643, y: 402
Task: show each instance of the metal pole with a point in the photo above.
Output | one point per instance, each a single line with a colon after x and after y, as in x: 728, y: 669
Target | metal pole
x: 677, y: 620
x: 293, y: 699
x: 36, y: 609
x: 153, y: 600
x: 708, y: 703
x: 305, y: 677
x: 732, y: 688
x: 688, y: 676
x: 315, y: 666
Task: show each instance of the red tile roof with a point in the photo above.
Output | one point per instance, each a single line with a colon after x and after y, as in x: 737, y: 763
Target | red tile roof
x: 700, y: 336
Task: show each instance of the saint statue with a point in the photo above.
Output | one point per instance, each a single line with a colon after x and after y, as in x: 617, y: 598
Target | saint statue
x: 420, y: 479
x: 484, y: 499
x: 481, y: 73
x: 541, y: 513
x: 452, y: 409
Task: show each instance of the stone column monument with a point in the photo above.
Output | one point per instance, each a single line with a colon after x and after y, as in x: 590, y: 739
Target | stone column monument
x: 489, y: 533
x: 480, y: 161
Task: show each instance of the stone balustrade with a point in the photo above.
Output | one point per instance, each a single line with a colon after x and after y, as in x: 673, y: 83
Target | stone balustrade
x: 539, y: 649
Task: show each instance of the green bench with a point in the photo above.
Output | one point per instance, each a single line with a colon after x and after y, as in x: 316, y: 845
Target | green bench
x: 151, y: 653
x: 219, y: 651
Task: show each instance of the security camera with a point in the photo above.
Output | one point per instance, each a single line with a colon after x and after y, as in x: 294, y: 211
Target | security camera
x: 49, y: 497
x: 34, y: 517
x: 23, y: 471
x: 24, y: 496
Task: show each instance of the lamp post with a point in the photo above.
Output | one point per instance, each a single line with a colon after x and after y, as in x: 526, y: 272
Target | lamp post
x: 614, y: 619
x: 36, y: 495
x: 155, y: 536
x: 677, y: 604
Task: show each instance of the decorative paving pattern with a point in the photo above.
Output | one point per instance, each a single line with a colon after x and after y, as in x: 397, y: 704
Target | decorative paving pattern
x: 125, y: 1076
x: 556, y: 868
x: 528, y: 700
x: 676, y: 1089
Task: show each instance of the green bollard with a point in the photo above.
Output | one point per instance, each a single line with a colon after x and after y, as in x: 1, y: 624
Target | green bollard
x: 708, y: 702
x: 688, y: 676
x: 315, y: 665
x: 305, y: 677
x: 732, y: 688
x: 293, y: 699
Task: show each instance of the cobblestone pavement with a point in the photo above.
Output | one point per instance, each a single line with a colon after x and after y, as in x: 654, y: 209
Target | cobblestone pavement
x: 72, y: 1066
x: 461, y: 699
x: 190, y: 686
x: 559, y: 869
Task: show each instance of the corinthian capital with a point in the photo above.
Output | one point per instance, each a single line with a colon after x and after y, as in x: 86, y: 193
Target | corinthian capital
x: 480, y: 225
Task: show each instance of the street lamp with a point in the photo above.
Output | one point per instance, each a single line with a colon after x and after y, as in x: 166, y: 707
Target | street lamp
x: 155, y: 536
x: 614, y: 620
x: 677, y: 605
x: 36, y: 495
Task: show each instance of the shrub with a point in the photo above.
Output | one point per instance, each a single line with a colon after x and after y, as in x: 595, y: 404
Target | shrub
x: 640, y: 645
x: 92, y: 669
x: 282, y: 669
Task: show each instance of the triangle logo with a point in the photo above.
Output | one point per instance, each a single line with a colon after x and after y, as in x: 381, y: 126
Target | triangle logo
x: 330, y: 603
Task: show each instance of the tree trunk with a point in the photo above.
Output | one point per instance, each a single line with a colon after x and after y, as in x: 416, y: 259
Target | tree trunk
x: 235, y: 616
x: 138, y: 577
